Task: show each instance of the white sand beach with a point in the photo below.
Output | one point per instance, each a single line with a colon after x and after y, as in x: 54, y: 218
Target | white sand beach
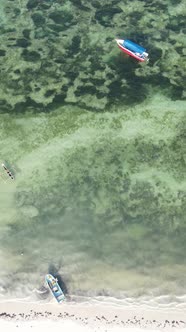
x: 86, y: 317
x: 61, y: 326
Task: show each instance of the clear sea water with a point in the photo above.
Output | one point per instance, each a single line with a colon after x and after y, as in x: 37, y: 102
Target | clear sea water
x: 96, y: 142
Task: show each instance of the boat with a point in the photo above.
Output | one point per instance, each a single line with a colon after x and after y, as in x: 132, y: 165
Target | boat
x: 55, y: 288
x: 8, y: 172
x: 136, y: 51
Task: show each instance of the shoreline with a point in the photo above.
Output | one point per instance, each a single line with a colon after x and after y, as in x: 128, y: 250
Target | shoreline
x: 94, y: 316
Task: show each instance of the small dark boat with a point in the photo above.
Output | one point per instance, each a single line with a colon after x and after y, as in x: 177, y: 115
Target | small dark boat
x: 55, y: 288
x: 8, y: 172
x: 136, y: 51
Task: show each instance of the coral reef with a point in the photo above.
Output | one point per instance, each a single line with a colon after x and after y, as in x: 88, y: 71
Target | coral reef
x: 63, y: 52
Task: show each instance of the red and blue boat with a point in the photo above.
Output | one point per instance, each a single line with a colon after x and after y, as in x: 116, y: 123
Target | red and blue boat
x: 136, y: 51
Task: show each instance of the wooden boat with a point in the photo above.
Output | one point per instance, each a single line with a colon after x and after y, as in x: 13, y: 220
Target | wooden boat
x: 55, y: 288
x: 8, y: 172
x: 136, y: 51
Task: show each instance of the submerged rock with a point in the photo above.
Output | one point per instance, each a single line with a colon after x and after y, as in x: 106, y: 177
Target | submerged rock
x: 22, y: 42
x: 38, y: 19
x: 105, y: 15
x: 31, y: 56
x: 61, y: 17
x: 32, y: 4
x: 2, y: 52
x: 26, y: 33
x: 57, y: 27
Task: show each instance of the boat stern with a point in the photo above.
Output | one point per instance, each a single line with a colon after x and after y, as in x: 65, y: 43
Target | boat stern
x: 146, y: 56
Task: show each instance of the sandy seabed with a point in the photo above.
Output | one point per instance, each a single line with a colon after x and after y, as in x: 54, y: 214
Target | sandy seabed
x: 87, y: 317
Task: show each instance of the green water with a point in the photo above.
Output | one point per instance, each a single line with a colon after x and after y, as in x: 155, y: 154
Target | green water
x: 99, y: 196
x: 97, y: 143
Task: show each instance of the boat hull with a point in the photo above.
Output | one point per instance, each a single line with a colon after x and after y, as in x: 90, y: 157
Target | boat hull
x: 55, y: 288
x: 127, y: 51
x: 8, y: 172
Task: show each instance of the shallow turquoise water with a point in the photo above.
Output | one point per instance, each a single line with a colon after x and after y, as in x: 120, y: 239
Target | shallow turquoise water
x: 96, y: 143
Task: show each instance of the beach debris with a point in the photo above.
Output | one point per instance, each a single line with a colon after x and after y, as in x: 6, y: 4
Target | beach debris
x: 8, y: 172
x: 55, y: 288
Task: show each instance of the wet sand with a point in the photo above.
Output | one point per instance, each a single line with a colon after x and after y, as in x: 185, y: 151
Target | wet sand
x: 88, y: 317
